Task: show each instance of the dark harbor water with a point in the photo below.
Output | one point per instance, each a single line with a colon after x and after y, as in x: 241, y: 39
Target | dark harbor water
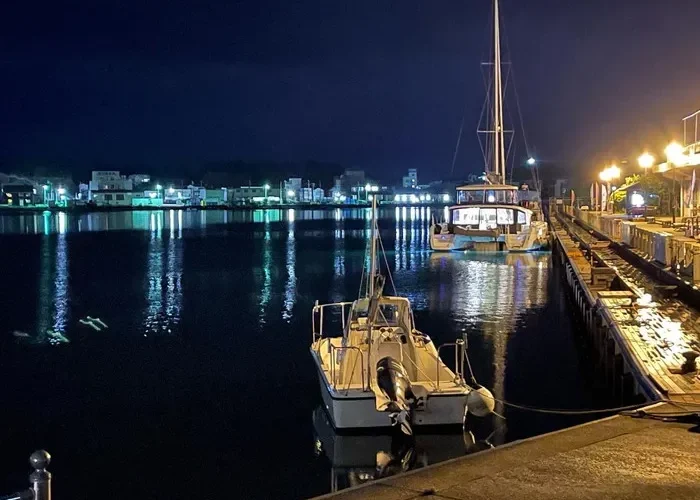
x: 203, y: 383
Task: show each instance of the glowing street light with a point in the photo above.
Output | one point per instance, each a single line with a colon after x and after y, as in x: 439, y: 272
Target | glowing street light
x: 646, y: 161
x: 61, y: 191
x: 674, y: 153
x: 531, y: 161
x: 674, y: 156
x: 291, y: 193
x: 159, y: 187
x: 609, y: 174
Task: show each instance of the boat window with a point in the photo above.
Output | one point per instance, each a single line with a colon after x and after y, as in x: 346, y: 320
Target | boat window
x: 466, y: 216
x: 522, y: 218
x: 388, y: 315
x: 505, y: 216
x: 487, y: 218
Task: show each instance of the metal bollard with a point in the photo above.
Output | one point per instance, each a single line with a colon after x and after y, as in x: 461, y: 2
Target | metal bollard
x: 40, y: 478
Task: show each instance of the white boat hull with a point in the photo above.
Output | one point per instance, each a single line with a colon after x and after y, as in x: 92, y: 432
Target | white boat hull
x: 358, y: 410
x: 449, y: 242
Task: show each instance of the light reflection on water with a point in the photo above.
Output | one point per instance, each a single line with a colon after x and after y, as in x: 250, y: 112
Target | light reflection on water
x: 248, y: 283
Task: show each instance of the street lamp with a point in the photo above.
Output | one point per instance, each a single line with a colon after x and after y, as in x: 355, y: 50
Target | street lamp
x: 674, y: 156
x: 646, y: 161
x: 608, y: 175
x: 266, y: 187
x: 531, y: 161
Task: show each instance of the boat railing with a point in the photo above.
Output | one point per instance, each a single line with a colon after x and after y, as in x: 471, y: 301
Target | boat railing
x: 317, y: 317
x: 459, y: 360
x: 340, y: 351
x: 39, y: 479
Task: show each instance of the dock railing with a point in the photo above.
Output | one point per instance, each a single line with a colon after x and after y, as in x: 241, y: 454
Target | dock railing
x: 39, y: 479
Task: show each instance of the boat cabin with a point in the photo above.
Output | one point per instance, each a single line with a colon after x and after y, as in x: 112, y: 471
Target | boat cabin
x: 510, y: 217
x: 502, y: 194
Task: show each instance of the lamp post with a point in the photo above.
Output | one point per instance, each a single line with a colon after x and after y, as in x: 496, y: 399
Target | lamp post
x: 607, y: 175
x: 646, y: 161
x: 266, y: 187
x: 675, y: 157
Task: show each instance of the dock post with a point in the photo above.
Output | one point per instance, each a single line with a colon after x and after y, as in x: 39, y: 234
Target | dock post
x: 40, y: 478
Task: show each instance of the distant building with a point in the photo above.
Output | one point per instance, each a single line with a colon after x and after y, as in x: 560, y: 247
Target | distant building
x: 255, y: 194
x: 104, y: 180
x: 109, y: 188
x: 411, y: 180
x: 17, y: 195
x: 318, y: 195
x: 292, y: 189
x: 139, y: 179
x: 352, y: 179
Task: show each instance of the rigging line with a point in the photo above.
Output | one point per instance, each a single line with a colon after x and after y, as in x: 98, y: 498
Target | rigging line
x: 459, y: 139
x: 386, y: 262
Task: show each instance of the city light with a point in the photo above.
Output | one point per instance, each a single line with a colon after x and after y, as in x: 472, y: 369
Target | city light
x: 404, y: 197
x: 646, y: 160
x: 370, y: 197
x: 367, y: 187
x: 414, y: 198
x: 171, y: 190
x: 61, y: 191
x: 45, y: 187
x: 491, y: 198
x: 446, y: 198
x: 159, y: 187
x: 421, y: 197
x: 674, y: 154
x: 397, y: 197
x: 531, y: 161
x: 152, y: 195
x: 292, y: 194
x: 427, y: 197
x: 266, y: 186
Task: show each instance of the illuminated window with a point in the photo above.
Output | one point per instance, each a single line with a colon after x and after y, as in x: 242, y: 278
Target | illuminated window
x: 505, y: 216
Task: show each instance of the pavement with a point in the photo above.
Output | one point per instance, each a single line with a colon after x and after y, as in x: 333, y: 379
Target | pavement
x: 614, y: 458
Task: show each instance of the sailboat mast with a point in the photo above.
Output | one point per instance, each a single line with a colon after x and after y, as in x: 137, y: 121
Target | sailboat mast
x: 499, y: 151
x: 373, y: 250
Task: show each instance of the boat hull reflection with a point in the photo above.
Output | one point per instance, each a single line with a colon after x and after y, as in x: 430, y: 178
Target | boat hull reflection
x: 359, y: 458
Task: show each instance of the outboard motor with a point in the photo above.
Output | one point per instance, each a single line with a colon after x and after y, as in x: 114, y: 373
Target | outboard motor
x: 395, y: 387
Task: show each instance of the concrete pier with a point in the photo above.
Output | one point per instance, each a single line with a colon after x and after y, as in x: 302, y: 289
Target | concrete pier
x: 614, y: 458
x: 654, y: 334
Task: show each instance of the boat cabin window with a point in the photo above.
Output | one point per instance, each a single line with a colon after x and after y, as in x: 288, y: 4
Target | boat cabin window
x: 496, y: 196
x: 388, y: 315
x: 490, y: 218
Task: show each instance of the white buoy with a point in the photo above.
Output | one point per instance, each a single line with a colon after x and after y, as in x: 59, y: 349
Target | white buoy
x: 480, y: 402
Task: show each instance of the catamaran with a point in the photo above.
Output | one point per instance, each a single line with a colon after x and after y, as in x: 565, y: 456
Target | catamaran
x: 376, y: 369
x: 488, y: 217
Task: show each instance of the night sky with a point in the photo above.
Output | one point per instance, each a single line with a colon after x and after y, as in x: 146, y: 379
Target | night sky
x: 377, y: 84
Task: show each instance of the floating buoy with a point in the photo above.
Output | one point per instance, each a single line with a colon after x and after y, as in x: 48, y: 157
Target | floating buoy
x: 480, y: 402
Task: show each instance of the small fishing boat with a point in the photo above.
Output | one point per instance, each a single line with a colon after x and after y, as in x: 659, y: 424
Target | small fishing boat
x: 376, y: 369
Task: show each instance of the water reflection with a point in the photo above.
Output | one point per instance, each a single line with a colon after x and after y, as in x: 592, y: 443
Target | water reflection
x: 357, y: 459
x: 491, y: 293
x: 53, y: 312
x: 266, y: 288
x: 290, y: 289
x: 164, y: 262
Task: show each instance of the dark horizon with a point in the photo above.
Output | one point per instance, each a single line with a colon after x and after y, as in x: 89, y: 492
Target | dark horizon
x: 363, y: 84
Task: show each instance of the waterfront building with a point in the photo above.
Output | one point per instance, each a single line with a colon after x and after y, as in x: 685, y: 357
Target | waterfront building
x: 410, y: 181
x: 17, y: 195
x: 292, y: 189
x: 255, y: 194
x: 110, y: 188
x: 139, y: 179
